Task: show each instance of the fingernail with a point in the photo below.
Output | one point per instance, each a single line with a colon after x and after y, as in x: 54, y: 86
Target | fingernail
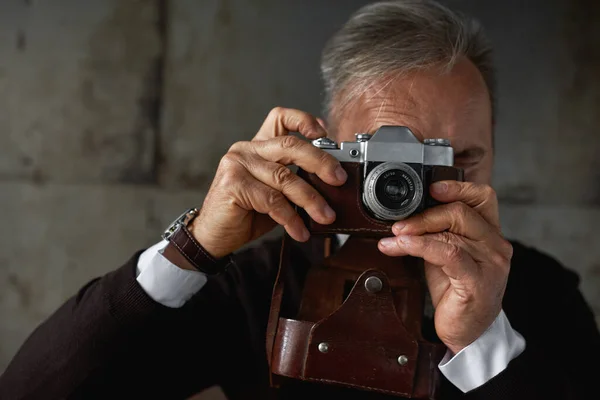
x: 397, y: 227
x: 322, y: 123
x: 439, y: 187
x: 341, y: 174
x: 328, y: 212
x: 305, y: 234
x: 387, y: 242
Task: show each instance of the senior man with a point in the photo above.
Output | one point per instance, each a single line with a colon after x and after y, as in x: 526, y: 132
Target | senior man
x: 513, y: 320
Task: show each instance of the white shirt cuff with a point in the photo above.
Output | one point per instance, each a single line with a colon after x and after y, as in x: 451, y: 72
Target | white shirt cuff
x: 163, y: 281
x: 485, y: 358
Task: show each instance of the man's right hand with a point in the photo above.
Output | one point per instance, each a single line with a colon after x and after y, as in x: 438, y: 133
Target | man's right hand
x: 253, y: 187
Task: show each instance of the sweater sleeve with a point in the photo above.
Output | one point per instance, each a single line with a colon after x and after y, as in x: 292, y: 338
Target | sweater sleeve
x: 109, y: 330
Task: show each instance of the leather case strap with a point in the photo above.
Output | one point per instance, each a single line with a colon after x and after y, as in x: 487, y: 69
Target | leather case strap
x: 276, y: 298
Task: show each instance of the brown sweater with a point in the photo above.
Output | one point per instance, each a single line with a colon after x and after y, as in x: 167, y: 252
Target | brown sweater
x: 111, y: 340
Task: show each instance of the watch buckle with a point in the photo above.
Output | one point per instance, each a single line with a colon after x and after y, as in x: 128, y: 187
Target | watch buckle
x: 183, y: 220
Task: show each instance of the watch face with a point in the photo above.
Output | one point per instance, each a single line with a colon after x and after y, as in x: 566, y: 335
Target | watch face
x: 183, y: 219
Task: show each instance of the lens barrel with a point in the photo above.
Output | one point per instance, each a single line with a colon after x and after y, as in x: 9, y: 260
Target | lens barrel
x: 392, y: 191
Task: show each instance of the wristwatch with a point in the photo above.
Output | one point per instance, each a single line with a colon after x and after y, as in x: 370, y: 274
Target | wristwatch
x: 182, y: 240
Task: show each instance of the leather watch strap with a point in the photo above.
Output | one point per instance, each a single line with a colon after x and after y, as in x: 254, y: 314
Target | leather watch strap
x: 183, y: 244
x: 193, y: 251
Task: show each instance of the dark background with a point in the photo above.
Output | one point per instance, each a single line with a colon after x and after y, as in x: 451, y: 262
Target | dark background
x: 114, y: 115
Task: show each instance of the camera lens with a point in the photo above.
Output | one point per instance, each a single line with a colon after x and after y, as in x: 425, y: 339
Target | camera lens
x: 396, y: 190
x: 392, y: 191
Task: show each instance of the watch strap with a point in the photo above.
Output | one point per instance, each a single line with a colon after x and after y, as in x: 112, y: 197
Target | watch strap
x: 188, y: 246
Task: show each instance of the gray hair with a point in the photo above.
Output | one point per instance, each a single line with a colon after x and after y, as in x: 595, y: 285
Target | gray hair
x: 395, y: 37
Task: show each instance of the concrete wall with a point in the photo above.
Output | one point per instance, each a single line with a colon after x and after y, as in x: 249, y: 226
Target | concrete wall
x: 114, y: 114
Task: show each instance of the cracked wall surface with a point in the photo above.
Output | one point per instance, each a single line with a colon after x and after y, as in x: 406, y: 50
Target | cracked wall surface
x: 114, y: 115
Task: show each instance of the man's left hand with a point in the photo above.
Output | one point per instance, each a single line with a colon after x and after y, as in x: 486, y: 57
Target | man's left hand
x: 467, y: 259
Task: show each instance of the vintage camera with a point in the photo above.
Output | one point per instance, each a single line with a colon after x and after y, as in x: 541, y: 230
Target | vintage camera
x: 362, y: 321
x: 395, y: 167
x: 389, y: 174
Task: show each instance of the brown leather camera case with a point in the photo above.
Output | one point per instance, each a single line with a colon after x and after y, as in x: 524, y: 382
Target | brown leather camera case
x: 350, y: 332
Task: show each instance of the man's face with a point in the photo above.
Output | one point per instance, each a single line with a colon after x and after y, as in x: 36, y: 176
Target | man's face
x: 453, y: 106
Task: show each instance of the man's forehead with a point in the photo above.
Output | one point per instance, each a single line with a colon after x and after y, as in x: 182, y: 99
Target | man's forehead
x: 455, y: 106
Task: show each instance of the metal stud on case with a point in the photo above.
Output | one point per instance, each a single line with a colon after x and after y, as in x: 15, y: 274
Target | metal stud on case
x: 323, y: 347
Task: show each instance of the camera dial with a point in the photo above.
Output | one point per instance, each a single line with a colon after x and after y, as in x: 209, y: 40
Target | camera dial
x: 325, y: 143
x: 437, y: 142
x: 392, y: 191
x: 362, y: 137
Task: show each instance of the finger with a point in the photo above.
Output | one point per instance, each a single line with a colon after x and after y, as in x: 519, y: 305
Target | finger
x: 257, y: 196
x: 481, y: 197
x: 292, y: 186
x: 496, y: 251
x: 455, y: 261
x: 322, y: 123
x: 455, y: 217
x: 282, y: 121
x: 289, y: 150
